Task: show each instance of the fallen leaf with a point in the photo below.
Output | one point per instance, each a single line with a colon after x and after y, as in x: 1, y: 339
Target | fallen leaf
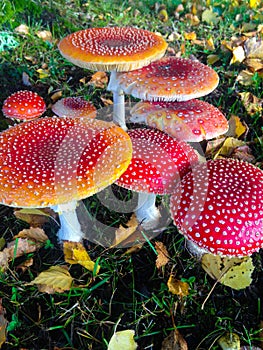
x: 43, y: 73
x: 254, y: 47
x: 245, y: 77
x: 209, y: 44
x: 228, y: 147
x: 123, y: 340
x: 229, y: 341
x: 45, y: 35
x: 236, y: 127
x: 244, y: 153
x: 177, y: 287
x: 75, y: 253
x: 56, y: 96
x: 251, y: 103
x: 25, y: 265
x: 22, y: 29
x: 232, y: 272
x: 99, y: 80
x: 162, y: 14
x: 2, y: 243
x: 253, y: 4
x: 35, y: 217
x: 162, y: 255
x: 174, y: 341
x: 130, y: 235
x: 211, y: 59
x: 106, y: 101
x: 190, y: 36
x: 3, y: 324
x: 238, y: 55
x: 34, y: 234
x: 26, y: 79
x: 55, y: 279
x: 210, y: 17
x: 254, y: 64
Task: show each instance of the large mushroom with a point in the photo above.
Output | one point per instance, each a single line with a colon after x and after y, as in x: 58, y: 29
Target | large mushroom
x: 220, y: 209
x: 113, y: 49
x: 24, y: 105
x: 158, y: 163
x: 191, y: 121
x: 169, y: 79
x: 55, y: 162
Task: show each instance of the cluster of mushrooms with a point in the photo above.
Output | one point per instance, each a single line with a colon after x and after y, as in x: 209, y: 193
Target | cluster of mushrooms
x: 58, y: 161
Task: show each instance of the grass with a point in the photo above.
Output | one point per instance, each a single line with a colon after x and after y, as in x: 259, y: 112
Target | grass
x: 129, y: 292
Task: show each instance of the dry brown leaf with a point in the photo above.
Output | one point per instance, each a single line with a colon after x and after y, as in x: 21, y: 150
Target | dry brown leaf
x: 75, y: 253
x: 251, y: 103
x: 20, y: 247
x: 45, y: 35
x: 34, y: 217
x: 34, y: 234
x: 244, y: 153
x: 22, y: 29
x: 254, y: 47
x: 99, y: 80
x: 178, y: 287
x: 163, y: 255
x: 3, y: 324
x: 131, y: 235
x: 55, y: 279
x: 56, y: 96
x: 106, y: 101
x: 254, y: 64
x: 25, y: 265
x: 174, y: 341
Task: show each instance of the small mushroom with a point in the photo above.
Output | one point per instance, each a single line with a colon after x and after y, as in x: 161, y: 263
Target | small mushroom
x: 169, y: 79
x: 74, y: 107
x: 24, y: 105
x: 55, y: 162
x: 158, y: 163
x: 113, y: 49
x: 191, y: 121
x: 219, y: 207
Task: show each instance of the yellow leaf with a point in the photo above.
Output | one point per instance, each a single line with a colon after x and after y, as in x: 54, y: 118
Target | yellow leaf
x: 75, y: 253
x: 190, y: 36
x: 236, y: 127
x: 162, y: 13
x: 255, y: 64
x: 123, y: 340
x: 99, y: 80
x: 55, y: 279
x: 3, y: 324
x: 42, y: 73
x: 45, y: 35
x: 254, y: 3
x: 209, y: 44
x: 238, y: 55
x: 245, y: 78
x: 254, y: 47
x: 232, y: 272
x: 211, y: 59
x: 228, y: 147
x: 177, y: 287
x: 163, y: 255
x: 22, y: 29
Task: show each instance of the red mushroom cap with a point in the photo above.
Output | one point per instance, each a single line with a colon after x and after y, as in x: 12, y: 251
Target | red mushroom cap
x: 191, y: 121
x: 112, y: 48
x: 158, y: 162
x: 169, y: 79
x: 225, y: 215
x: 74, y: 107
x: 24, y: 105
x: 52, y: 160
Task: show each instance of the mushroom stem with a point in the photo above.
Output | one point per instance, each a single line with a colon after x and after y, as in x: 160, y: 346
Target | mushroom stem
x: 146, y: 211
x: 70, y: 229
x: 118, y: 101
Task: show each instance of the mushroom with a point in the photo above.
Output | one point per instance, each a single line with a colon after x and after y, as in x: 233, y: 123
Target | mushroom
x: 55, y: 162
x: 169, y: 79
x: 113, y: 49
x: 24, y: 105
x: 219, y: 207
x: 191, y: 121
x: 74, y: 107
x: 158, y: 163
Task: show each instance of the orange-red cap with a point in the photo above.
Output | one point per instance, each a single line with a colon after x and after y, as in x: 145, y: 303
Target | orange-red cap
x: 112, y: 48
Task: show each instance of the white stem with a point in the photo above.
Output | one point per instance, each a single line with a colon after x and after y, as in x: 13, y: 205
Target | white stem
x: 146, y: 211
x: 118, y: 101
x: 70, y: 229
